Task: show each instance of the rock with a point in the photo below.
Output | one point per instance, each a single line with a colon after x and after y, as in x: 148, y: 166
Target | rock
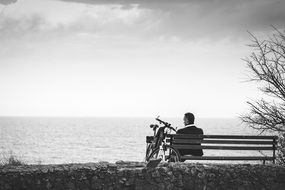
x: 134, y: 175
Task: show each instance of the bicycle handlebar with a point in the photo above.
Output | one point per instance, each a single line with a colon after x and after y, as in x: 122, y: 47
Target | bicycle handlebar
x: 160, y: 121
x: 171, y: 128
x: 167, y: 125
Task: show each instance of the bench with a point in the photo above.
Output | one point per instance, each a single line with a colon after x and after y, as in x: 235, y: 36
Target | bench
x: 225, y: 142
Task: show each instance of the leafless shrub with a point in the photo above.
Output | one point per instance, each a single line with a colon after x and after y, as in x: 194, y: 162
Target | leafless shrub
x: 267, y: 68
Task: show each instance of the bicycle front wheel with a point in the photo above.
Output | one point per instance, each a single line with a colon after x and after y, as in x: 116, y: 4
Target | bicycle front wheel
x: 168, y: 154
x: 148, y: 151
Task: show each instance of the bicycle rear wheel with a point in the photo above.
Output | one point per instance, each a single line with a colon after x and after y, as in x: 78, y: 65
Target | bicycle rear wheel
x: 168, y: 154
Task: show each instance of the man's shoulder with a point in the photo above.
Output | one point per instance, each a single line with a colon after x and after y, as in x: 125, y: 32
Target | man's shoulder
x: 199, y: 129
x: 179, y: 131
x: 190, y: 130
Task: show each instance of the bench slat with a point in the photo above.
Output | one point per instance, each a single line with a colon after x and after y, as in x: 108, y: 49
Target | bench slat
x: 183, y: 136
x: 226, y: 158
x: 223, y: 147
x: 189, y: 141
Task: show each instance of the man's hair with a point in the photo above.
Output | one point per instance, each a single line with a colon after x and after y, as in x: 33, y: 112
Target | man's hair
x: 190, y: 117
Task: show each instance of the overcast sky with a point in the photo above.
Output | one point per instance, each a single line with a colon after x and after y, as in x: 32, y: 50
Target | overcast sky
x: 129, y: 57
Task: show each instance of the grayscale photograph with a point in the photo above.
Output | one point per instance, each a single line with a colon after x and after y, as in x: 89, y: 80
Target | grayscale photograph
x: 142, y: 94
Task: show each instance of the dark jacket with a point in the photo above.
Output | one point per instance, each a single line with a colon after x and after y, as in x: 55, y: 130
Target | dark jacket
x: 191, y: 130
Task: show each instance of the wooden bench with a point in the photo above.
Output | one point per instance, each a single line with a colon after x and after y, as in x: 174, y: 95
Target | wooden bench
x: 225, y: 142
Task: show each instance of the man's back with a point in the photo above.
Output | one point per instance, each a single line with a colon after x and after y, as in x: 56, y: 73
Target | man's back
x: 194, y: 131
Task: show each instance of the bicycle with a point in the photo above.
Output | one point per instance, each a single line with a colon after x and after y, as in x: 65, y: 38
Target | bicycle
x: 157, y: 147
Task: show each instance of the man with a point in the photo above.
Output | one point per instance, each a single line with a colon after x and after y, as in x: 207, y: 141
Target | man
x: 190, y: 128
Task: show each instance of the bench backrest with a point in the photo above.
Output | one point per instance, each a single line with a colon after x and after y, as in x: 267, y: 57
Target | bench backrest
x: 224, y: 142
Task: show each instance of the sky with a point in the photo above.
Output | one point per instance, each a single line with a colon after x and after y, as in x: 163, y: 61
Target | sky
x: 139, y: 58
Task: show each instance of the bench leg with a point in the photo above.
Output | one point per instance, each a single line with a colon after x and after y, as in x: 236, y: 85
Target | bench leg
x: 263, y: 162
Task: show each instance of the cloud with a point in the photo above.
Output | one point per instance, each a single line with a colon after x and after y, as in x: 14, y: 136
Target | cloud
x: 19, y: 27
x: 192, y: 19
x: 189, y: 20
x: 104, y: 21
x: 7, y: 2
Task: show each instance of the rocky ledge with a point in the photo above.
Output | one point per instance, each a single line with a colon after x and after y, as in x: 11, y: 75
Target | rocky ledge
x: 135, y: 175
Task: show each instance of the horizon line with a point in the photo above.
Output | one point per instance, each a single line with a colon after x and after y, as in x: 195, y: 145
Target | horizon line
x: 111, y: 116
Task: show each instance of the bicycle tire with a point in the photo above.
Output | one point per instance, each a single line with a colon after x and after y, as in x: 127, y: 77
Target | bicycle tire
x: 147, y: 152
x: 174, y: 157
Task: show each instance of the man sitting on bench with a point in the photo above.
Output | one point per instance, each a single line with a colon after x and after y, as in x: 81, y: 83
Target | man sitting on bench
x: 190, y: 128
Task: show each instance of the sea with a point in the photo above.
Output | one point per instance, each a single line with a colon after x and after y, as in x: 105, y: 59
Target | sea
x: 60, y: 140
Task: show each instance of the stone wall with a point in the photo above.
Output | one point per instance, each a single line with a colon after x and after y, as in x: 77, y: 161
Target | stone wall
x: 134, y: 175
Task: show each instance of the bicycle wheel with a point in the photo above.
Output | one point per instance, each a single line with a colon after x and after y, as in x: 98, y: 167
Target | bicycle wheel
x: 148, y: 151
x: 168, y: 154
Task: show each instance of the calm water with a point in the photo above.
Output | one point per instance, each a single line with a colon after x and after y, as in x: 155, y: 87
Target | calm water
x: 65, y: 140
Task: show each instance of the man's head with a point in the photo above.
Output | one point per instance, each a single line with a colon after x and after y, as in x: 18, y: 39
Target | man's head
x: 189, y: 118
